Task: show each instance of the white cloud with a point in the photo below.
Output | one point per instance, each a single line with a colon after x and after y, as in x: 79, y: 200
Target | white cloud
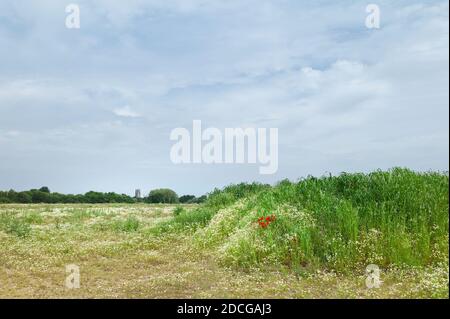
x: 125, y: 111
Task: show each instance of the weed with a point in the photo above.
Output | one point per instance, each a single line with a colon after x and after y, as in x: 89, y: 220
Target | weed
x: 178, y: 210
x: 131, y: 224
x: 14, y: 225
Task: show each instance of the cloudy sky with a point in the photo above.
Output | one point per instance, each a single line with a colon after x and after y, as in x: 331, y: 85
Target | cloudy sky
x: 92, y: 108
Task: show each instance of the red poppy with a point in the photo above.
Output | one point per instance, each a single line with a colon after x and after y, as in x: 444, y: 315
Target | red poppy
x: 264, y: 222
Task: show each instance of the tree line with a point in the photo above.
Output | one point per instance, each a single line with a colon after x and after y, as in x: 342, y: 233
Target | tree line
x: 44, y: 195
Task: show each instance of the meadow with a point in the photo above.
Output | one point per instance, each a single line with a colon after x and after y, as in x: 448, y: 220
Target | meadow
x: 312, y: 238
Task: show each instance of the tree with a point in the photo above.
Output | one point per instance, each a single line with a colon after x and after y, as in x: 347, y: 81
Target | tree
x: 4, y: 197
x: 94, y: 197
x: 24, y: 198
x: 44, y: 189
x: 12, y: 196
x: 39, y: 197
x: 201, y: 199
x: 187, y: 199
x: 163, y: 195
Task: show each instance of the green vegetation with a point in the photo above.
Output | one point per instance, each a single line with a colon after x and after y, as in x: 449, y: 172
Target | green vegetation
x: 342, y: 223
x: 178, y: 210
x: 13, y: 225
x: 130, y: 224
x: 191, y: 199
x: 312, y: 238
x: 184, y: 221
x: 187, y: 199
x: 162, y: 195
x: 44, y: 195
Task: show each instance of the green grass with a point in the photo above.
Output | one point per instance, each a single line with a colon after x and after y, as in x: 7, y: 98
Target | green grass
x: 80, y: 215
x: 397, y: 217
x: 13, y: 225
x: 178, y: 210
x: 131, y: 224
x: 33, y: 218
x: 184, y: 221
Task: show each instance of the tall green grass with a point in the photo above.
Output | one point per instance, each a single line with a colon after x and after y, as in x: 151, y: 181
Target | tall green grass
x: 395, y: 217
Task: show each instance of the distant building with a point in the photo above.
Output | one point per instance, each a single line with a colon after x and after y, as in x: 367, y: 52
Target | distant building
x: 137, y: 193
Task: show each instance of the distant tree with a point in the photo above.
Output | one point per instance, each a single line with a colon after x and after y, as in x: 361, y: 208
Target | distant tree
x: 187, y: 199
x: 44, y: 189
x: 201, y: 199
x: 12, y: 196
x: 163, y: 195
x: 4, y: 198
x: 58, y: 198
x: 94, y: 197
x: 39, y: 197
x: 24, y: 198
x: 78, y: 198
x: 43, y: 195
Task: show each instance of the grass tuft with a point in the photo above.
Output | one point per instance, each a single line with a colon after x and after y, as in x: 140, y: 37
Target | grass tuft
x: 13, y: 225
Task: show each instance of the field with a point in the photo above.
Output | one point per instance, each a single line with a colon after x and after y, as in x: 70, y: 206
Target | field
x: 320, y: 236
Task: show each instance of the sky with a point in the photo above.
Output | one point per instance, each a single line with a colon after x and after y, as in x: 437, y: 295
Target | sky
x: 93, y: 108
